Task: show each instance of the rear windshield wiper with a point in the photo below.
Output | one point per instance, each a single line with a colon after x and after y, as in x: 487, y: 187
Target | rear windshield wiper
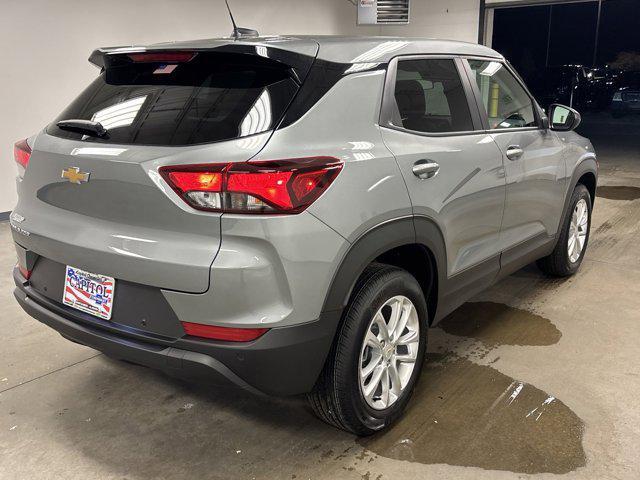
x: 87, y: 127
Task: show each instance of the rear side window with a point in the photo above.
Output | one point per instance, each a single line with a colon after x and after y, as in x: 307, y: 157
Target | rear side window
x: 430, y: 97
x: 507, y: 104
x: 210, y: 98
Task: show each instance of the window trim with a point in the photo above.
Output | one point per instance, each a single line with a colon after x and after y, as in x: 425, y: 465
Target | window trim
x: 388, y: 98
x: 480, y: 105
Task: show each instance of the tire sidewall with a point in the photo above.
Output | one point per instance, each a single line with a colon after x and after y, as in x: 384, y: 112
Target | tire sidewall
x: 398, y: 283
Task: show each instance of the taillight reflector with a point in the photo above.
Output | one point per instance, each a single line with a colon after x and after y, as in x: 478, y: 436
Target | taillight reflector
x: 227, y: 334
x: 24, y: 272
x: 22, y: 153
x: 266, y: 187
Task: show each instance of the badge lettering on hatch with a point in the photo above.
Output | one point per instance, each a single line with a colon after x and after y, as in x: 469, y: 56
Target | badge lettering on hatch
x: 74, y: 175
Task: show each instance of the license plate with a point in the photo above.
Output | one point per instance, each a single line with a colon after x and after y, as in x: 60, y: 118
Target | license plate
x: 89, y: 292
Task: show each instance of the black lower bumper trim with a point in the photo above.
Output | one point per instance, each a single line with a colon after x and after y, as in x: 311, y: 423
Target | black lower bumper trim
x: 284, y: 361
x: 175, y: 361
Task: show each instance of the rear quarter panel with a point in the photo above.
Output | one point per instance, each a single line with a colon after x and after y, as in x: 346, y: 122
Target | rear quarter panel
x: 276, y: 270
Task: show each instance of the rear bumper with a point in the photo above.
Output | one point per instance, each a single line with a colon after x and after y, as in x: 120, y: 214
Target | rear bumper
x: 284, y: 361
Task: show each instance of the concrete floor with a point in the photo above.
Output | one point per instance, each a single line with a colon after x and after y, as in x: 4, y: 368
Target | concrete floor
x: 535, y: 376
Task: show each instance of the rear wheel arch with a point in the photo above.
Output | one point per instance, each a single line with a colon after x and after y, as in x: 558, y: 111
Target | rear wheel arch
x: 588, y: 179
x: 414, y: 244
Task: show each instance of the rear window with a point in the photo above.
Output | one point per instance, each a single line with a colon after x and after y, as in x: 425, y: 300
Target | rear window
x: 212, y: 97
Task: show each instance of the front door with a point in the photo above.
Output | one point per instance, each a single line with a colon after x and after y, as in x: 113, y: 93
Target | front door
x: 533, y: 157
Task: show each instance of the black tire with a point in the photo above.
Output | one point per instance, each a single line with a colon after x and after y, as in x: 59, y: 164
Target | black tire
x: 337, y: 398
x: 558, y: 263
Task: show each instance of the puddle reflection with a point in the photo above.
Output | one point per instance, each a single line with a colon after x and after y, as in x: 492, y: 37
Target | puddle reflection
x: 471, y: 415
x: 496, y: 324
x: 621, y: 192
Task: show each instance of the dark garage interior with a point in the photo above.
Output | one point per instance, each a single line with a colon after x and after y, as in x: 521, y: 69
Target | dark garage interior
x: 581, y: 54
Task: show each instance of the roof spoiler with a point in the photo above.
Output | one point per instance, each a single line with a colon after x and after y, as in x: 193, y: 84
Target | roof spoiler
x: 97, y: 57
x: 298, y: 63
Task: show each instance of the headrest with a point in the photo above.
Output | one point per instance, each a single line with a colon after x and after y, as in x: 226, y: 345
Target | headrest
x: 410, y: 98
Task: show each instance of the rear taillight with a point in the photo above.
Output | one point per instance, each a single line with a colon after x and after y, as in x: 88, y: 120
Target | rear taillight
x: 22, y: 153
x: 265, y: 187
x: 24, y: 272
x: 227, y: 334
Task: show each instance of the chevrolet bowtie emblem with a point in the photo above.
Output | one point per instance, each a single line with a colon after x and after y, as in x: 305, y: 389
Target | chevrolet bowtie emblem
x: 74, y: 175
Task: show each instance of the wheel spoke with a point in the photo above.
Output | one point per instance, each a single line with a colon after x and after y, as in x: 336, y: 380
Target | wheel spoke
x: 402, y: 322
x: 373, y: 341
x: 408, y: 338
x: 581, y: 211
x: 382, y: 326
x: 371, y: 387
x: 407, y: 357
x: 371, y: 366
x: 396, y: 315
x: 384, y: 382
x: 394, y: 376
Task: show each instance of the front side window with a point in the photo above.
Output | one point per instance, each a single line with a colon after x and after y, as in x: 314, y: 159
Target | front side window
x: 507, y: 104
x: 430, y: 97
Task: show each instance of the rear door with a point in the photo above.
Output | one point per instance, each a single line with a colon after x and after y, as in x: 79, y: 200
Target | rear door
x: 533, y: 156
x: 111, y: 213
x: 454, y: 173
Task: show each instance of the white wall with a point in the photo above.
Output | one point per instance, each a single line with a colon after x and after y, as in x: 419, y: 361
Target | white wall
x: 451, y: 19
x: 44, y: 44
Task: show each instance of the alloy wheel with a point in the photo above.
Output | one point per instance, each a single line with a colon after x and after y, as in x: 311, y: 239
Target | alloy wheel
x: 578, y: 230
x: 389, y: 352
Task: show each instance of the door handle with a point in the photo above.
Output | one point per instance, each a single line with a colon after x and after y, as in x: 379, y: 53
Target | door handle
x: 424, y: 169
x: 514, y: 152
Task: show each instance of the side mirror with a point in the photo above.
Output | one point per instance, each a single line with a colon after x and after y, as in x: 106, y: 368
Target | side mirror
x: 563, y: 118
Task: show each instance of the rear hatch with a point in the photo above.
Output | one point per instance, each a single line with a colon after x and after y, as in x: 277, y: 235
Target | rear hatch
x: 111, y: 213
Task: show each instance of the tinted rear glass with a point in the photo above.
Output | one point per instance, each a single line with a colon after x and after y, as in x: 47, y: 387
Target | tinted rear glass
x: 212, y: 97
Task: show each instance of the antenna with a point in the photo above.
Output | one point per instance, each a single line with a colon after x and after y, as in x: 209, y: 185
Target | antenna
x: 239, y: 32
x: 233, y: 22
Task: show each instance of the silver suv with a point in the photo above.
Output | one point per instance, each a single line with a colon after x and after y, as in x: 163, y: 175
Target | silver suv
x: 292, y: 214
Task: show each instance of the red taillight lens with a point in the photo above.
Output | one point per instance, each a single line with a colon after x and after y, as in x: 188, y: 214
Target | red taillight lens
x: 24, y: 272
x: 284, y: 186
x: 22, y: 153
x: 162, y: 57
x: 227, y: 334
x: 269, y: 186
x: 199, y: 181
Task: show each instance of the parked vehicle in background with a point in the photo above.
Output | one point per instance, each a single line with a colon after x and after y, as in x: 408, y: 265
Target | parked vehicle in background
x: 583, y: 88
x: 602, y: 83
x: 565, y: 84
x: 626, y: 100
x: 291, y: 214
